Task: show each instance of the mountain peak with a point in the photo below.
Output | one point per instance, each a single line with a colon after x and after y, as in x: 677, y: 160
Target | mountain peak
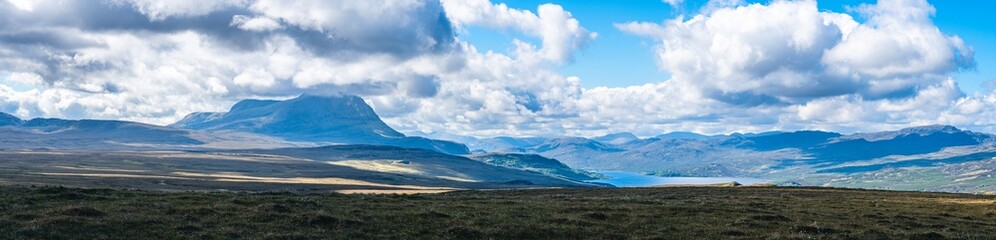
x: 307, y: 117
x: 617, y: 138
x: 311, y: 118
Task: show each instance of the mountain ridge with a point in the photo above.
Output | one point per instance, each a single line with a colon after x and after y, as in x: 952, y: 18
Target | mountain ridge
x: 90, y: 134
x: 809, y: 157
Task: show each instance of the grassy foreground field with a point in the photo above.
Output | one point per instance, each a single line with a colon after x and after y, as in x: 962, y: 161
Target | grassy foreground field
x: 647, y: 213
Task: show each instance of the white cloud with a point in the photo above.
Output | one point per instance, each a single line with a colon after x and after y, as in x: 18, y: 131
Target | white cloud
x: 791, y: 52
x: 259, y: 24
x: 560, y: 32
x: 26, y: 78
x: 25, y: 5
x: 396, y: 26
x: 255, y: 78
x: 160, y: 10
x: 898, y: 40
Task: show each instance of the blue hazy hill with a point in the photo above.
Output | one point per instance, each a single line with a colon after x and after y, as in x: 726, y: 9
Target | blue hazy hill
x: 9, y: 120
x: 88, y: 134
x: 681, y: 135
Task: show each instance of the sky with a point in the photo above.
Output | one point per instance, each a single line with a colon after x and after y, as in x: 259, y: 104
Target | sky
x: 517, y: 67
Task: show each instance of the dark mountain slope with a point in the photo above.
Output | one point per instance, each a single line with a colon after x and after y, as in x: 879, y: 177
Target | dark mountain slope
x: 908, y: 141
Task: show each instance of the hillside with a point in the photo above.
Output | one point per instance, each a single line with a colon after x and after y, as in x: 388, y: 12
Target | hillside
x: 319, y: 169
x: 640, y: 213
x: 536, y: 163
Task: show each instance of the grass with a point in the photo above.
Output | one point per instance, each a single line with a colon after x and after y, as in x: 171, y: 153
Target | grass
x: 646, y: 213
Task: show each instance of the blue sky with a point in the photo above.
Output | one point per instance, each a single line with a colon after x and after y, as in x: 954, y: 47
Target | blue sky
x: 617, y: 59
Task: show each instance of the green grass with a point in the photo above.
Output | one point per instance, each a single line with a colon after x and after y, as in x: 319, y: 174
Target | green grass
x: 648, y: 213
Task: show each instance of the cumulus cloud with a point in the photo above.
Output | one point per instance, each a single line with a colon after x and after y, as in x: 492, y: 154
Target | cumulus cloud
x: 789, y: 51
x: 260, y: 24
x: 560, y: 32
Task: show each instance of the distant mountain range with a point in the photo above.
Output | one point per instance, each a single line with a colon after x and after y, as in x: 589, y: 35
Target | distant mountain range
x: 943, y: 154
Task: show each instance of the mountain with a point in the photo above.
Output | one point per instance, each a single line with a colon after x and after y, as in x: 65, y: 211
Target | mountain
x: 578, y: 151
x: 617, y: 138
x: 907, y: 141
x: 9, y: 120
x: 309, y: 118
x: 536, y: 163
x: 343, y: 119
x: 912, y: 131
x: 90, y: 134
x: 775, y: 141
x: 681, y: 135
x: 506, y: 144
x: 807, y: 157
